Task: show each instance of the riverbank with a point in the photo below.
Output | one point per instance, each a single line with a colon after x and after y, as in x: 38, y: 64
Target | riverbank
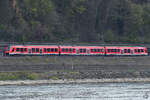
x: 74, y: 81
x: 73, y: 69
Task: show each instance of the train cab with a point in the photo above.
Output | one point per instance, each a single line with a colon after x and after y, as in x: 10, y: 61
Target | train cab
x: 6, y: 51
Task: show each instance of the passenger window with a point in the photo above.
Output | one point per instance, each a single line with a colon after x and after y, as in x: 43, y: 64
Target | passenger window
x: 80, y: 50
x: 55, y: 49
x: 33, y: 49
x: 139, y: 50
x: 129, y: 51
x: 125, y: 50
x: 25, y: 49
x: 21, y: 49
x: 44, y: 49
x: 52, y: 49
x: 135, y: 50
x: 102, y: 50
x: 115, y: 50
x: 13, y: 49
x: 70, y: 50
x: 112, y: 50
x: 84, y: 50
x: 17, y: 50
x: 67, y: 49
x: 73, y: 50
x: 108, y: 50
x: 118, y: 50
x: 95, y: 50
x: 37, y: 49
x: 98, y: 50
x: 142, y: 50
x: 92, y: 50
x: 48, y: 49
x: 63, y: 50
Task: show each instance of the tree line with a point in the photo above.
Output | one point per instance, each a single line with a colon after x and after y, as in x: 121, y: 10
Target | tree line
x: 59, y: 21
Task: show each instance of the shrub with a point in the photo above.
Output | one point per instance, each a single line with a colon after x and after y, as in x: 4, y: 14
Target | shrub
x: 32, y: 76
x: 54, y: 78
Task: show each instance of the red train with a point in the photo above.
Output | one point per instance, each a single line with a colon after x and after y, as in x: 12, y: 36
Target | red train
x: 75, y: 50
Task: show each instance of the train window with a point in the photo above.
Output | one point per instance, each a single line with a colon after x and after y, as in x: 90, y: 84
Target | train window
x: 98, y: 50
x: 108, y: 50
x: 118, y: 50
x: 56, y: 49
x: 115, y: 50
x: 52, y: 49
x: 73, y: 50
x: 84, y: 50
x: 13, y: 49
x: 80, y: 50
x: 45, y: 50
x: 129, y: 51
x: 139, y: 50
x: 63, y: 50
x: 33, y: 49
x: 37, y: 50
x: 67, y: 49
x: 17, y: 49
x: 48, y: 49
x: 102, y: 50
x: 112, y: 50
x: 25, y: 49
x: 70, y: 50
x: 95, y: 50
x: 135, y: 50
x: 21, y: 49
x: 125, y: 50
x: 92, y: 50
x: 142, y: 50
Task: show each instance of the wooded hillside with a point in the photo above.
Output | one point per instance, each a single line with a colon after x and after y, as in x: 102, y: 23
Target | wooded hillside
x: 123, y: 21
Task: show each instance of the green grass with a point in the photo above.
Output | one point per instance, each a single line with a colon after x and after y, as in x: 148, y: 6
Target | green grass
x: 54, y: 78
x: 18, y: 76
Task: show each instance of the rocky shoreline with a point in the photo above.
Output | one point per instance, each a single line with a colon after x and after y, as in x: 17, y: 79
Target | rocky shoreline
x: 73, y: 81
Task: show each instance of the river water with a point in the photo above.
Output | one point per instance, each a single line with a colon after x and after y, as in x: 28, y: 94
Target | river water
x: 99, y: 91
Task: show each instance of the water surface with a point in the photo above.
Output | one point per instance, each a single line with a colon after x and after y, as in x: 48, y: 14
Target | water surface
x: 101, y: 91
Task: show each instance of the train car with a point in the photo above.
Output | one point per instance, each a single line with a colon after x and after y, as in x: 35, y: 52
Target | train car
x: 82, y: 50
x: 126, y: 51
x: 32, y: 50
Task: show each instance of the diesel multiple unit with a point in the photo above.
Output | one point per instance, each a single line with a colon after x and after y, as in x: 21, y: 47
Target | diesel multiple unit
x: 75, y: 50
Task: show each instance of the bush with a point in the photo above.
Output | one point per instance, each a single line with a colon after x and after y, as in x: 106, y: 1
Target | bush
x: 32, y: 76
x: 54, y: 78
x: 9, y: 76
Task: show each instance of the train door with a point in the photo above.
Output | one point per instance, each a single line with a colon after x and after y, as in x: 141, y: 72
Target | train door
x: 77, y: 51
x: 29, y: 50
x: 122, y: 51
x: 40, y: 50
x: 88, y: 51
x: 132, y: 51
